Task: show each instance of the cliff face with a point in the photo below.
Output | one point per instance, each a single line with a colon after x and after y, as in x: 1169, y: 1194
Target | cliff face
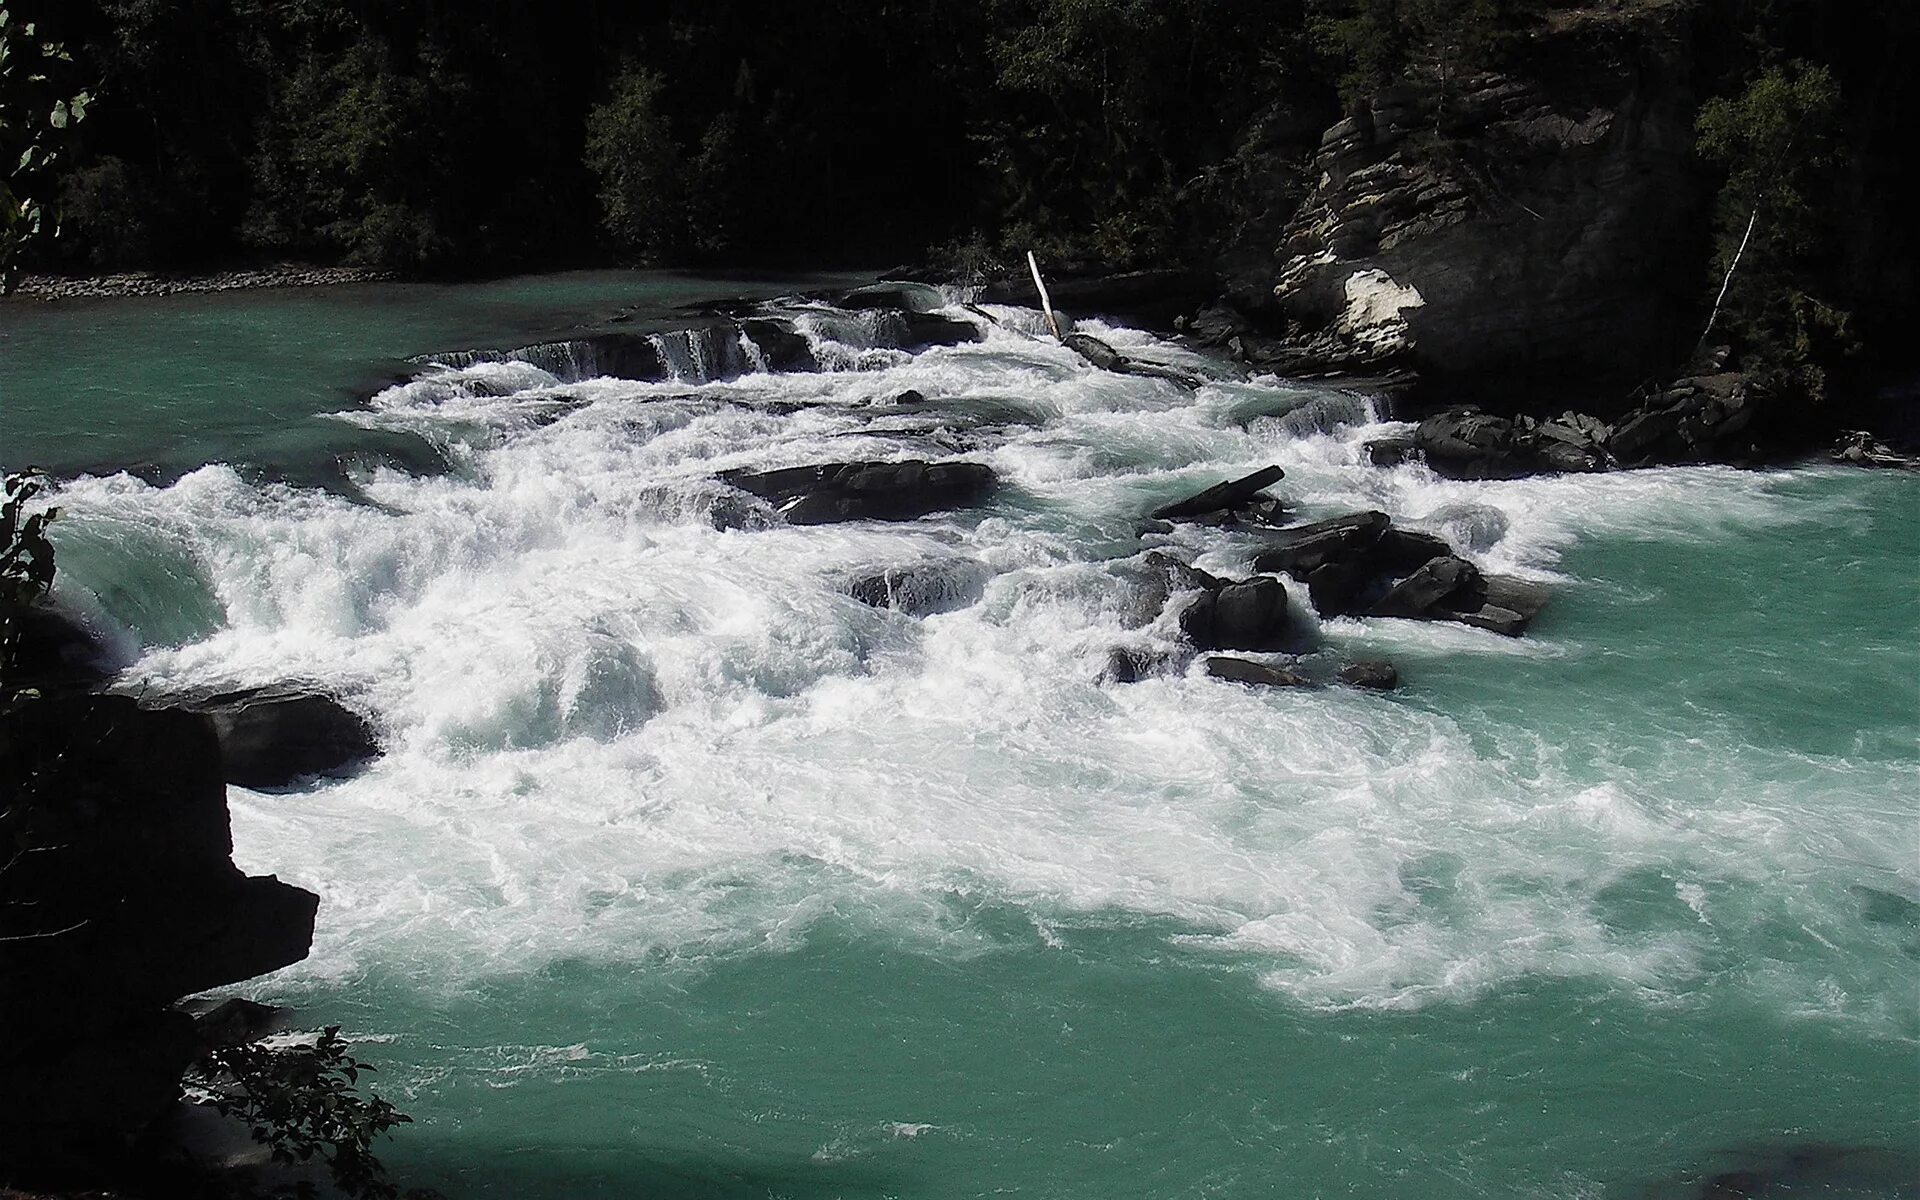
x: 118, y: 896
x: 1542, y: 229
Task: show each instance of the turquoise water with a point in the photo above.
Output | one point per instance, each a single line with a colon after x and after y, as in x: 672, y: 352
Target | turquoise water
x: 684, y: 875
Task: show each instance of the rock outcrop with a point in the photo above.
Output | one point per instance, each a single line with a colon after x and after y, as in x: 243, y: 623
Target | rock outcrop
x: 1360, y: 565
x: 118, y: 895
x: 1499, y: 231
x: 275, y: 737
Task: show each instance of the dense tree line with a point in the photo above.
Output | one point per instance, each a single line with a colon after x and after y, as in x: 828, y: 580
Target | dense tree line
x: 486, y: 135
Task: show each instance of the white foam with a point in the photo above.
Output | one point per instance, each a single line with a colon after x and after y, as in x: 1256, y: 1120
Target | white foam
x: 615, y: 731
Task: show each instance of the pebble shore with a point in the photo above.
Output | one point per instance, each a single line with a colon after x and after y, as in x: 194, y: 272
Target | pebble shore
x: 145, y: 283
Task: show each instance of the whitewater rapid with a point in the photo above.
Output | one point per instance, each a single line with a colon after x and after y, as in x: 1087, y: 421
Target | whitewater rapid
x: 619, y: 732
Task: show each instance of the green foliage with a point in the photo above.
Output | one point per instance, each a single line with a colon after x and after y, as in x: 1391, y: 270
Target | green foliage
x: 302, y: 1102
x: 37, y: 116
x: 631, y: 150
x: 1378, y: 42
x: 1776, y: 141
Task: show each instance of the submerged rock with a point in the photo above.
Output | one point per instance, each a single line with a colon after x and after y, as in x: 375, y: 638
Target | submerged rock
x: 871, y: 491
x: 1241, y: 670
x: 1374, y: 676
x: 923, y: 589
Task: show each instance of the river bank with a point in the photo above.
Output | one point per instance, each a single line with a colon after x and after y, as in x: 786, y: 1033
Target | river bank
x: 160, y: 283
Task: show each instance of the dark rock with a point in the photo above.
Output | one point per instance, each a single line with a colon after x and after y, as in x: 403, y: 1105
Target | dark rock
x: 53, y: 650
x: 1473, y: 526
x: 910, y: 396
x: 1556, y: 250
x: 779, y: 344
x: 1374, y: 676
x: 1131, y: 665
x: 876, y: 491
x: 1155, y: 295
x: 1221, y: 496
x: 1391, y: 452
x: 1093, y: 350
x: 1647, y: 434
x: 1446, y: 585
x: 923, y: 589
x: 621, y: 355
x: 234, y: 1021
x: 1256, y: 614
x: 1240, y: 670
x: 125, y: 899
x: 1468, y: 444
x: 893, y: 295
x: 1161, y: 577
x: 1508, y: 605
x: 932, y: 329
x: 1304, y: 548
x: 1860, y: 448
x: 272, y: 738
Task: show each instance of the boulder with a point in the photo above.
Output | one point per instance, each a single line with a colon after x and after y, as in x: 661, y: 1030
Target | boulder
x: 1508, y: 605
x: 1374, y: 676
x: 273, y: 737
x: 932, y: 329
x: 1446, y: 585
x: 1126, y: 664
x: 867, y: 491
x: 923, y: 589
x: 127, y: 900
x: 781, y: 347
x: 1240, y: 670
x: 1221, y: 496
x: 1304, y: 548
x: 1255, y: 614
x: 1161, y: 577
x: 1093, y: 350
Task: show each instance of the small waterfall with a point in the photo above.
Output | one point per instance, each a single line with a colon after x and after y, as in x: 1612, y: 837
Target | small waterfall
x: 756, y: 361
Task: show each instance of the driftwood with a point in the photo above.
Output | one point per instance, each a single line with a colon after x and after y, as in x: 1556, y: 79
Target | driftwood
x: 1102, y: 355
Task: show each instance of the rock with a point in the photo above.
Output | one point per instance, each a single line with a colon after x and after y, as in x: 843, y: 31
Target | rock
x: 1474, y: 526
x: 872, y: 491
x: 273, y: 738
x: 780, y: 345
x: 1093, y: 350
x: 1162, y: 576
x: 1240, y: 670
x: 234, y: 1021
x: 896, y: 295
x: 54, y: 650
x: 1374, y: 676
x: 1393, y: 451
x: 1508, y: 606
x: 931, y: 329
x: 1154, y: 295
x: 1555, y: 250
x: 923, y: 589
x: 1445, y: 584
x: 1468, y: 444
x: 1255, y: 614
x: 129, y: 901
x: 1131, y: 665
x: 1304, y: 548
x: 1221, y: 496
x: 1861, y: 449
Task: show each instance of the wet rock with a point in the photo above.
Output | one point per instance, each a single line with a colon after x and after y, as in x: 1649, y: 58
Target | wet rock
x: 1446, y: 584
x: 1374, y: 676
x: 129, y: 901
x: 1473, y: 526
x: 894, y: 295
x: 870, y: 491
x: 1304, y: 548
x: 1093, y: 350
x: 54, y: 650
x: 1161, y: 577
x: 1508, y: 605
x: 233, y: 1021
x: 1256, y: 614
x: 1221, y: 497
x: 923, y: 589
x: 1127, y: 664
x: 1240, y: 670
x: 1861, y: 449
x: 931, y: 329
x: 275, y: 737
x: 1393, y: 451
x: 778, y: 343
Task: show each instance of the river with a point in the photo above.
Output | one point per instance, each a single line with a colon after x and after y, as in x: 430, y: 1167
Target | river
x: 685, y: 874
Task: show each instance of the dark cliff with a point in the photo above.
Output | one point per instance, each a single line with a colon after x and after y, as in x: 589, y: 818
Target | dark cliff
x: 118, y: 896
x: 1544, y: 227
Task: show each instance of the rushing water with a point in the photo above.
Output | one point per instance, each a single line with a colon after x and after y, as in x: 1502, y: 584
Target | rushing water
x: 686, y: 875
